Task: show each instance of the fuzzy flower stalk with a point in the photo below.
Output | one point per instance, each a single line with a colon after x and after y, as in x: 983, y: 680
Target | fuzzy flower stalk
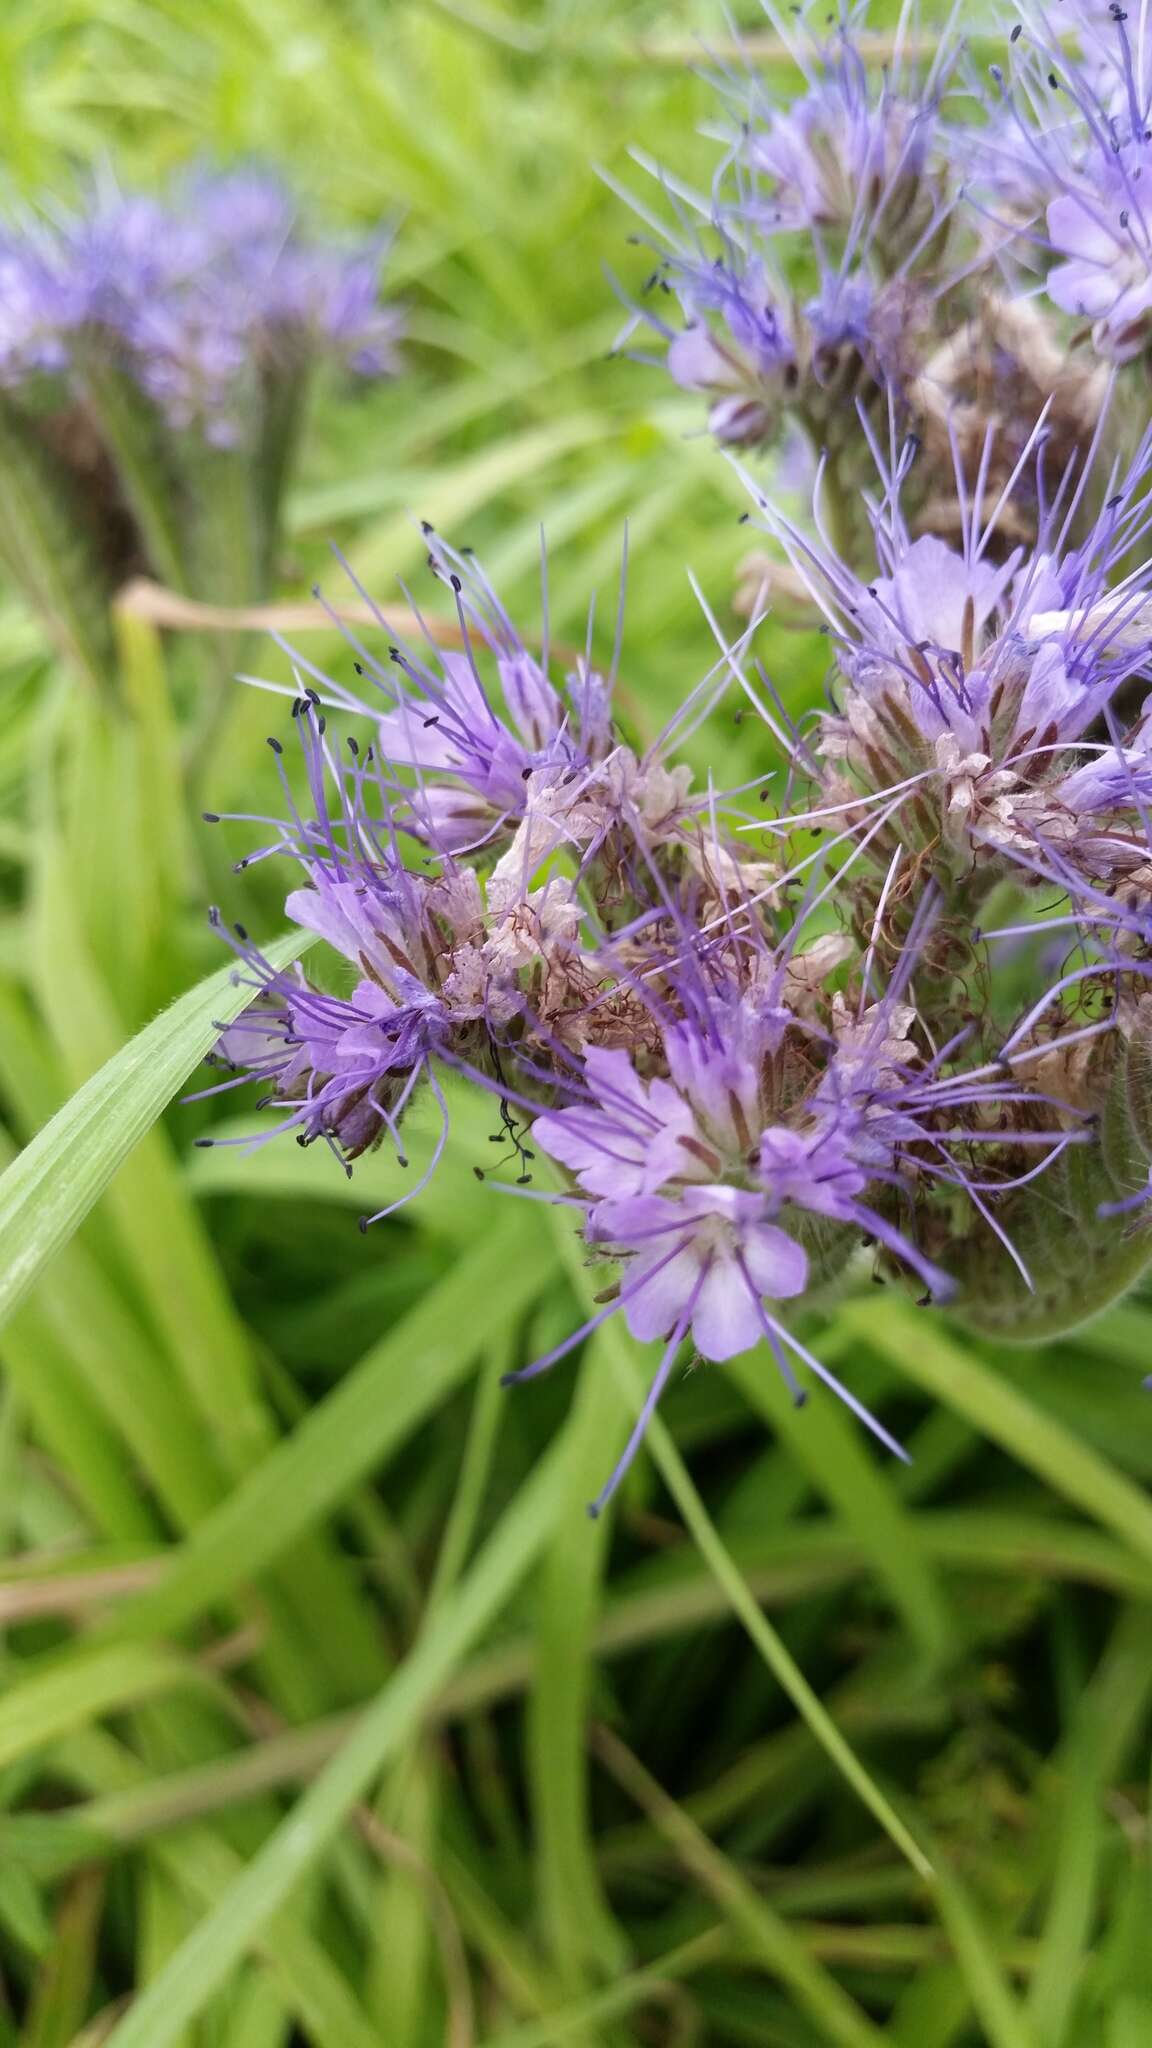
x: 749, y: 1060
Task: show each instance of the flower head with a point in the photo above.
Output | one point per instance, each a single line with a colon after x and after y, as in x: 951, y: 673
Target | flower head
x: 196, y: 296
x: 972, y: 682
x: 494, y: 749
x: 1076, y: 146
x: 807, y: 276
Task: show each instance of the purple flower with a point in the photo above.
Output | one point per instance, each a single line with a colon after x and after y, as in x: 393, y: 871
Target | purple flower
x: 33, y: 313
x: 969, y: 677
x: 1104, y: 237
x: 746, y: 357
x: 487, y: 751
x: 440, y: 963
x: 856, y: 144
x: 1078, y: 145
x: 853, y: 166
x: 704, y: 1197
x: 704, y: 1264
x: 197, y: 295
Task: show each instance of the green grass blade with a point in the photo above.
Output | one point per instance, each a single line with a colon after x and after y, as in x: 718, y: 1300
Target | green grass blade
x: 212, y: 1952
x: 374, y: 1409
x: 952, y: 1373
x: 50, y: 1188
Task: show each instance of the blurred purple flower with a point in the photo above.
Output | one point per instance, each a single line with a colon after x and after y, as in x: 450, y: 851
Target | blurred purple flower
x: 197, y: 294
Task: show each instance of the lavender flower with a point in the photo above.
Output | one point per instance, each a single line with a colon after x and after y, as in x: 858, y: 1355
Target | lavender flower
x: 1080, y: 140
x: 738, y: 1098
x: 33, y: 313
x: 971, y: 683
x: 709, y: 1187
x: 194, y: 295
x: 857, y: 168
x: 859, y: 150
x: 488, y: 753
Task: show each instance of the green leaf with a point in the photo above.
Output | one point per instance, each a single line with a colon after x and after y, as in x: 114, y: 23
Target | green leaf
x: 924, y: 1351
x: 50, y: 1188
x: 212, y: 1952
x: 82, y: 1686
x: 375, y: 1408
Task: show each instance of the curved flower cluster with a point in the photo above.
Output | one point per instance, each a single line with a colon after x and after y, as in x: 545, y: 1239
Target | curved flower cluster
x: 1073, y: 146
x: 864, y: 249
x: 982, y: 693
x: 901, y: 1019
x: 738, y: 1098
x: 157, y: 357
x: 851, y: 179
x: 192, y: 296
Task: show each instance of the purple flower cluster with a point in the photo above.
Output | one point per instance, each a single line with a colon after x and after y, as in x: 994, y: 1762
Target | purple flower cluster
x: 946, y: 253
x: 192, y: 294
x: 738, y: 1098
x: 978, y: 701
x: 1072, y: 160
x: 849, y: 189
x: 899, y: 1019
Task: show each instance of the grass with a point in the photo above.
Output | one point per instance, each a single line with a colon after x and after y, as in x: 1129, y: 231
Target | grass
x: 327, y: 1715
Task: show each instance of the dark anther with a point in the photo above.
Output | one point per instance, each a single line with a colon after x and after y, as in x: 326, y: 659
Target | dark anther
x: 242, y: 933
x: 479, y: 1172
x: 362, y: 1225
x: 1015, y: 35
x: 275, y: 745
x: 204, y: 1143
x: 210, y: 817
x: 454, y: 580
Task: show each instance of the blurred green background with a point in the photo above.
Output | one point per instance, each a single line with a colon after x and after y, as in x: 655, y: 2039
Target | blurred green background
x: 270, y: 1530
